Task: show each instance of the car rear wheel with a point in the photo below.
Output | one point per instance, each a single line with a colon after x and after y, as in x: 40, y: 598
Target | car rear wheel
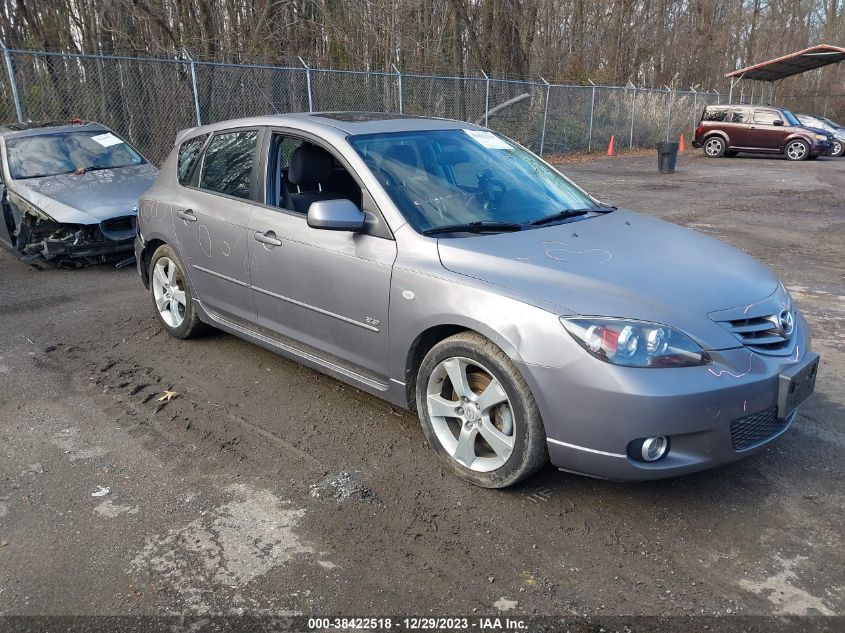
x: 714, y: 147
x: 838, y: 149
x: 797, y: 150
x: 171, y: 295
x: 478, y: 413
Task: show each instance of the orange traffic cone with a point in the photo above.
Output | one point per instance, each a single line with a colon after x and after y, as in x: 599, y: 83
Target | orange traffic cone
x: 611, y: 146
x: 682, y: 147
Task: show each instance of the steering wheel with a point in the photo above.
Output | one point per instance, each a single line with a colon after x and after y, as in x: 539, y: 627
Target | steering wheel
x: 491, y: 190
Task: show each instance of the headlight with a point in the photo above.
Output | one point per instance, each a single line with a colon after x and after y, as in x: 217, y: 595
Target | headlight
x: 635, y: 343
x: 821, y: 137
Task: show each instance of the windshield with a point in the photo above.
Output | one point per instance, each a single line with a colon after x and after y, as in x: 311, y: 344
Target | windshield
x: 68, y: 152
x: 790, y: 118
x: 440, y: 178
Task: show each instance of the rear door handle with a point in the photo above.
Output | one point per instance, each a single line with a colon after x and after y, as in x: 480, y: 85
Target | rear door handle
x: 267, y: 237
x: 186, y: 215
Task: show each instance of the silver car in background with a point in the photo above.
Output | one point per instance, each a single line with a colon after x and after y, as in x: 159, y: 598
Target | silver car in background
x: 446, y: 269
x: 69, y: 192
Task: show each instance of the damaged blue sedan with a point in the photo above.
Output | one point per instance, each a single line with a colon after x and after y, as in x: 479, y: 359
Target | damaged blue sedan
x: 69, y: 192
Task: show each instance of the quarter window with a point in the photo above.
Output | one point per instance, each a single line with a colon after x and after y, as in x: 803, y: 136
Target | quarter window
x: 227, y: 164
x: 766, y: 117
x: 716, y: 114
x: 189, y: 153
x: 741, y: 115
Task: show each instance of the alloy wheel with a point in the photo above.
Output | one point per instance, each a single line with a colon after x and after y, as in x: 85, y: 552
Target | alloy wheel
x: 169, y: 292
x: 837, y: 148
x: 471, y: 414
x: 713, y: 147
x: 796, y: 150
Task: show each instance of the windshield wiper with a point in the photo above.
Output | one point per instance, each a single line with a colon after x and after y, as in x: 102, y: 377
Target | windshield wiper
x: 479, y: 226
x: 569, y: 213
x: 85, y: 170
x: 67, y: 173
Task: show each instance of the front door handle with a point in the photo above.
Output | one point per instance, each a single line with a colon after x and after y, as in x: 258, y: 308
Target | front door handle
x: 267, y: 237
x: 186, y: 215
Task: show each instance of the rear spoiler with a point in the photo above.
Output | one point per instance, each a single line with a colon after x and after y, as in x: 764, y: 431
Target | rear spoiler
x: 182, y: 134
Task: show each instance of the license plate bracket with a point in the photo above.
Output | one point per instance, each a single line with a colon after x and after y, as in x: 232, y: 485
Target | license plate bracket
x: 796, y: 383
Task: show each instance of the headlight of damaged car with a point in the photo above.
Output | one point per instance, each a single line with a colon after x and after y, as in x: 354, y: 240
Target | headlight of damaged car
x: 635, y: 343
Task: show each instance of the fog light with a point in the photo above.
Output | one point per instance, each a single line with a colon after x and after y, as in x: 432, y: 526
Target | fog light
x: 654, y: 448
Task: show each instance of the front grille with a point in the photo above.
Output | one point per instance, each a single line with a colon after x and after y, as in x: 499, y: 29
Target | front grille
x: 761, y: 333
x: 754, y: 429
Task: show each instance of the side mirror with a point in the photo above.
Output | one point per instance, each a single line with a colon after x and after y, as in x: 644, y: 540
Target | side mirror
x: 777, y: 122
x: 336, y: 215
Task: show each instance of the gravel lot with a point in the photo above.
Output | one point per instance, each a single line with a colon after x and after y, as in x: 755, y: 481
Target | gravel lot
x: 264, y: 487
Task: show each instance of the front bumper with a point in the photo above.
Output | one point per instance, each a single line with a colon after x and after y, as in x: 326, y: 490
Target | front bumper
x: 102, y: 250
x: 821, y: 148
x: 593, y: 410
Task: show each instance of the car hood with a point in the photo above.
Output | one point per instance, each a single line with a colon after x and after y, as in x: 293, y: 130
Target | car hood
x: 91, y: 197
x: 622, y: 264
x: 818, y: 130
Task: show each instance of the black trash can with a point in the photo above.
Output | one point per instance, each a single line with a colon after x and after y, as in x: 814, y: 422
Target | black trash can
x: 667, y: 155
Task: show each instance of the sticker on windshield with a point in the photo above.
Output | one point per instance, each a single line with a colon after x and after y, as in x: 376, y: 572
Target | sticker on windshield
x: 487, y: 139
x: 106, y: 140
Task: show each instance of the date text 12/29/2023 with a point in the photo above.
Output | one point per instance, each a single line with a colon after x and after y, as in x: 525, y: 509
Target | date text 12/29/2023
x: 429, y: 623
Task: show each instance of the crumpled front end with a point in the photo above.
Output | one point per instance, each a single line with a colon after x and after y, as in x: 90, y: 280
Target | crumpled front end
x: 75, y: 245
x: 37, y: 235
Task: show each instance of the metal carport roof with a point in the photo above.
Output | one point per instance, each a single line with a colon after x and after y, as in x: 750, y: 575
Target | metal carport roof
x: 792, y: 64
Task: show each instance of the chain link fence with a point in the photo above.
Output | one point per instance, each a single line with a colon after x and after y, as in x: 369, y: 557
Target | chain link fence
x: 827, y: 105
x: 149, y: 100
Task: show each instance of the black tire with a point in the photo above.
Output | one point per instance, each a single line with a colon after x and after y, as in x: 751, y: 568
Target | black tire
x: 529, y: 452
x: 191, y: 325
x: 797, y: 150
x: 714, y: 147
x: 838, y: 149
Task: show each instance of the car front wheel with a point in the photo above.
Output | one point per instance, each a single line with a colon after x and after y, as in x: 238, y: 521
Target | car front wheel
x: 172, y: 296
x: 715, y: 147
x: 838, y: 149
x: 478, y: 413
x: 797, y: 150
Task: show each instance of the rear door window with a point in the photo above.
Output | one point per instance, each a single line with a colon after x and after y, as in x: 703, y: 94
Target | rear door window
x: 189, y: 153
x: 741, y: 115
x: 227, y: 163
x: 766, y: 117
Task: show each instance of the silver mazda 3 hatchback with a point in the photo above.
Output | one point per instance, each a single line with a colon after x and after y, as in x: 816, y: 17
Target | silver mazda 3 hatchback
x: 446, y: 269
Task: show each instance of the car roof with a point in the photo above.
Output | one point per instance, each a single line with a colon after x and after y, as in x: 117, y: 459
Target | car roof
x: 38, y: 128
x: 745, y: 105
x: 348, y: 123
